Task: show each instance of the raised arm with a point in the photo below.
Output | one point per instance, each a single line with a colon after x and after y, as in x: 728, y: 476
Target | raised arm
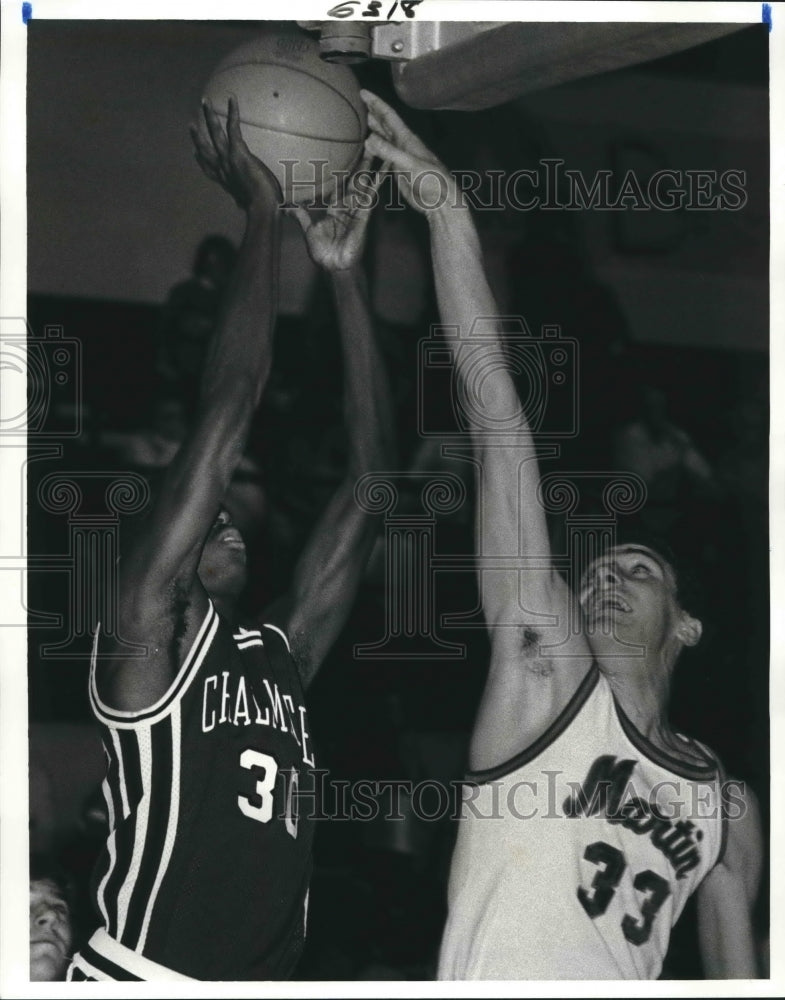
x: 726, y: 898
x: 332, y: 563
x: 527, y: 685
x: 161, y: 598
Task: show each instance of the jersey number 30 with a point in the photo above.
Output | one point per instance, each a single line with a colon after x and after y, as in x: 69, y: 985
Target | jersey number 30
x: 610, y: 868
x: 266, y: 769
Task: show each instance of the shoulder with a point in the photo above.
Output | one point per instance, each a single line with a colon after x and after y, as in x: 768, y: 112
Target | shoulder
x: 528, y: 702
x: 172, y: 648
x: 695, y: 754
x: 743, y: 853
x: 275, y: 621
x: 274, y: 629
x: 277, y: 635
x: 743, y: 814
x: 276, y: 618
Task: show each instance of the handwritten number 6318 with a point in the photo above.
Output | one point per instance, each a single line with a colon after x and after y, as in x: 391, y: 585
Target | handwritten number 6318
x: 373, y: 8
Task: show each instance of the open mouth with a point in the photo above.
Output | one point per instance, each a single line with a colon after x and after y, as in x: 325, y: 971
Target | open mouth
x: 232, y: 538
x: 606, y: 605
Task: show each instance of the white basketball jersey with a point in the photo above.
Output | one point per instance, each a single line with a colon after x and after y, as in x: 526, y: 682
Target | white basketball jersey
x: 575, y: 858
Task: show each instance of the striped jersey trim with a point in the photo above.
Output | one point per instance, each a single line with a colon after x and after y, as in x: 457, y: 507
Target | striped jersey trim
x: 171, y: 826
x: 281, y: 633
x: 246, y: 637
x: 577, y: 700
x: 124, y: 720
x: 97, y: 968
x: 78, y: 975
x: 145, y: 763
x: 103, y: 958
x: 140, y: 833
x: 677, y: 765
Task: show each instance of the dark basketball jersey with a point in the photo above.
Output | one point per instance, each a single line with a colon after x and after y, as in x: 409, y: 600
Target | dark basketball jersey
x: 207, y: 863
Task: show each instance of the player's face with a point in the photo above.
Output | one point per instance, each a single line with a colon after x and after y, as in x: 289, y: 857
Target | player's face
x: 222, y: 568
x: 630, y: 591
x: 50, y: 932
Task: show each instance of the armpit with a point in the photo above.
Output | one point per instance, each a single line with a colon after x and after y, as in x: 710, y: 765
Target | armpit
x: 530, y: 645
x: 530, y: 639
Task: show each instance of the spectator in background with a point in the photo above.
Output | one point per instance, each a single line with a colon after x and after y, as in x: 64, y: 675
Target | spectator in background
x: 742, y: 468
x: 153, y: 445
x: 51, y: 934
x: 665, y: 458
x: 190, y: 315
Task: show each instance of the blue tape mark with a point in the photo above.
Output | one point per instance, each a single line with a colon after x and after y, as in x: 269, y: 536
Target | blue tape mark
x: 27, y: 12
x: 766, y: 15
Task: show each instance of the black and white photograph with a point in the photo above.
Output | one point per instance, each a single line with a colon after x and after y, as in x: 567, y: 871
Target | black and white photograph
x: 389, y: 559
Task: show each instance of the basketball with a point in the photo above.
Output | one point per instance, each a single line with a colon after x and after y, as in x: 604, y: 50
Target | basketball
x: 302, y: 117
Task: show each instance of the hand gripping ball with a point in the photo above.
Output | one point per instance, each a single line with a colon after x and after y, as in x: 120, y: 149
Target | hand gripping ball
x: 303, y: 117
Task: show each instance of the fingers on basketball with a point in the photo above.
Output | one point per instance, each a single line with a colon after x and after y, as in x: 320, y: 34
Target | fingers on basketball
x: 396, y: 162
x: 401, y: 159
x: 215, y: 130
x: 379, y: 110
x: 358, y: 195
x: 388, y: 124
x: 234, y: 135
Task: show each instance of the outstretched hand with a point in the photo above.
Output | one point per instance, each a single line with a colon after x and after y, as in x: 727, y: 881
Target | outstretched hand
x: 226, y: 159
x: 422, y: 178
x: 336, y: 241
